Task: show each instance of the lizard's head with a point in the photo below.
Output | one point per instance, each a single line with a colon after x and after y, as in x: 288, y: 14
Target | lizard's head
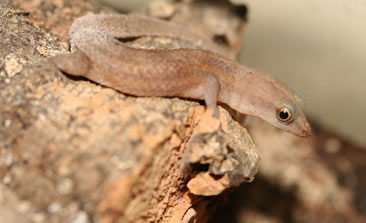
x: 271, y: 100
x: 288, y: 115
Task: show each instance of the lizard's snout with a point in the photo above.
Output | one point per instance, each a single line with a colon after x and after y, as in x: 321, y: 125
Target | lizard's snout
x: 306, y: 131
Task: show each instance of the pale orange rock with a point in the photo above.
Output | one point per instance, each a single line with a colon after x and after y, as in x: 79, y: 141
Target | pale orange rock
x: 206, y: 185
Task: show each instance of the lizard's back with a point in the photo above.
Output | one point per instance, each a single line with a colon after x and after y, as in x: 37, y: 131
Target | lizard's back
x: 140, y: 72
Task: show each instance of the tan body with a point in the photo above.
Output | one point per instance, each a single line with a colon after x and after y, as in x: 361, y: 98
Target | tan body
x: 98, y: 55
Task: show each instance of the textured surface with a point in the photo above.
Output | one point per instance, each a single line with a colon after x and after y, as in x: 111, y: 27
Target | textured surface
x: 74, y: 151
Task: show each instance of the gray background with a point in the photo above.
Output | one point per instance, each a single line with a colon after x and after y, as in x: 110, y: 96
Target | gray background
x: 319, y: 49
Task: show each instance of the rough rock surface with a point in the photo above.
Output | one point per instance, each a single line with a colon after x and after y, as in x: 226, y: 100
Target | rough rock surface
x: 74, y: 151
x: 320, y: 179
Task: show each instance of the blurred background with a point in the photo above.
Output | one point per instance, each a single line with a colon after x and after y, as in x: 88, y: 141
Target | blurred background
x: 319, y: 49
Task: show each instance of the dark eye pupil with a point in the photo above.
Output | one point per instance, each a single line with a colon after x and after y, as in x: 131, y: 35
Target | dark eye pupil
x: 283, y: 114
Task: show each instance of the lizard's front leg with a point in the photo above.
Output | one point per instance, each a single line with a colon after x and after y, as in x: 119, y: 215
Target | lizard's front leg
x: 211, y: 91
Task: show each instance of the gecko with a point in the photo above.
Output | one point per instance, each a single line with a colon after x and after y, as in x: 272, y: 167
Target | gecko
x: 203, y: 74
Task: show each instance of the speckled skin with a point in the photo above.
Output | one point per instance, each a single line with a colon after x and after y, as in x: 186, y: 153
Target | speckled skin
x: 98, y: 55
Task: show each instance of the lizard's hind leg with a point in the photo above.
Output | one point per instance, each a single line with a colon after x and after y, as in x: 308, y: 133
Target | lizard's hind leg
x: 75, y: 63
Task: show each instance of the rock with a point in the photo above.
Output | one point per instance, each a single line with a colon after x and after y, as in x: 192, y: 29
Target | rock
x: 74, y: 151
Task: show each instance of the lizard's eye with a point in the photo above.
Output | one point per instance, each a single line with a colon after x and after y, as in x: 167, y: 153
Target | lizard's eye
x: 284, y: 114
